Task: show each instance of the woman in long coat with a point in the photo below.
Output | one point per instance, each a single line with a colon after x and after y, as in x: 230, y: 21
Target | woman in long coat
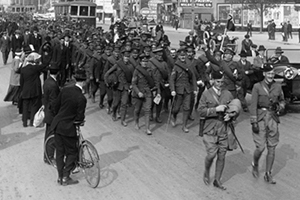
x: 13, y: 92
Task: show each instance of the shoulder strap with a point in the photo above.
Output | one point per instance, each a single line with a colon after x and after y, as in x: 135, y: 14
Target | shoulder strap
x: 147, y: 76
x: 160, y: 68
x: 185, y: 69
x: 214, y: 96
x: 125, y: 69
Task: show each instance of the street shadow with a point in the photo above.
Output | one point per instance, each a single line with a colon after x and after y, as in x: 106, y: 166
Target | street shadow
x: 12, y: 139
x: 96, y: 139
x: 107, y: 177
x: 7, y: 115
x: 113, y: 157
x: 282, y: 155
x: 236, y: 164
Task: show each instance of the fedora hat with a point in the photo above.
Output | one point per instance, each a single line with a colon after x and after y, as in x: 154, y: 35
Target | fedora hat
x: 278, y: 50
x: 261, y: 48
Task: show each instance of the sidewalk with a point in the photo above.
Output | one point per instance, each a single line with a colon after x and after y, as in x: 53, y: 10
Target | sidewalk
x: 240, y: 34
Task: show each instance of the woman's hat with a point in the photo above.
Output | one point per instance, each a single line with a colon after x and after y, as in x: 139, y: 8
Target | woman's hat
x: 18, y: 52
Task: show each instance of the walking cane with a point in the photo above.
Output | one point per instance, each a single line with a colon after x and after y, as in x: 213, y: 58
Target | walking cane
x: 170, y: 113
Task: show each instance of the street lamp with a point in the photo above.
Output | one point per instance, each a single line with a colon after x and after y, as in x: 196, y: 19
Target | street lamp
x: 193, y: 13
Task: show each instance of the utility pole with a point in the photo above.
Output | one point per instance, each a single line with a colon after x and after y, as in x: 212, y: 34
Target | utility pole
x: 193, y: 13
x: 103, y: 12
x: 121, y: 9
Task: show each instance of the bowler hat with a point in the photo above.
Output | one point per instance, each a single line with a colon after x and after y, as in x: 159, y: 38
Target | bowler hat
x: 278, y: 50
x: 247, y: 36
x: 80, y: 75
x: 217, y: 74
x: 261, y: 48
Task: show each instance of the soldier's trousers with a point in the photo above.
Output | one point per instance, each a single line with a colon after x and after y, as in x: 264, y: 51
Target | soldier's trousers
x: 120, y: 98
x: 94, y: 87
x: 167, y: 98
x: 183, y: 100
x: 200, y: 91
x: 158, y: 107
x: 146, y: 104
x: 103, y: 91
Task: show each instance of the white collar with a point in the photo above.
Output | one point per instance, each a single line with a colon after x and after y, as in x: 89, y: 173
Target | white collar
x: 78, y: 86
x: 52, y: 76
x: 218, y: 92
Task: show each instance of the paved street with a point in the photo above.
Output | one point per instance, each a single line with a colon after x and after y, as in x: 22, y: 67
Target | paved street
x: 165, y: 166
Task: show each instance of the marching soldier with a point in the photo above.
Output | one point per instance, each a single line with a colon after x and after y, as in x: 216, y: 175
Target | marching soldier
x: 160, y: 71
x: 143, y: 86
x: 123, y: 71
x: 182, y: 85
x: 134, y: 58
x: 267, y: 101
x: 99, y: 71
x: 216, y: 137
x: 229, y: 67
x: 109, y: 81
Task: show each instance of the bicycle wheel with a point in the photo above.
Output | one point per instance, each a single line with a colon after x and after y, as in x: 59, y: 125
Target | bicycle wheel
x: 89, y: 162
x: 49, y: 150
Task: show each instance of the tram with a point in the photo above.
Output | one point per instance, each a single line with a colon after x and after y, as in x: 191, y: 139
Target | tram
x: 83, y: 11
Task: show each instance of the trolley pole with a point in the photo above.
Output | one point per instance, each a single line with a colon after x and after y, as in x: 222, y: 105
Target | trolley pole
x: 193, y: 13
x: 103, y: 12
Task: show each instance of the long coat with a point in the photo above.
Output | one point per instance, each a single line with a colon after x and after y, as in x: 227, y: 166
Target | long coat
x: 51, y: 92
x: 15, y: 69
x: 70, y: 107
x: 5, y: 44
x: 30, y: 81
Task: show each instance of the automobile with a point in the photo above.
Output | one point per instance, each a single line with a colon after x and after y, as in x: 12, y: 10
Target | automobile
x: 288, y: 75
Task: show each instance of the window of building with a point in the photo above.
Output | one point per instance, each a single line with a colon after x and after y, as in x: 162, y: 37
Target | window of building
x: 84, y: 11
x: 74, y: 10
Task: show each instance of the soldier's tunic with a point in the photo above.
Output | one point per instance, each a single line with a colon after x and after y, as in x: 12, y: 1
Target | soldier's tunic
x: 99, y: 73
x: 123, y: 72
x: 111, y: 61
x: 263, y: 95
x: 161, y: 76
x: 183, y: 82
x: 215, y: 131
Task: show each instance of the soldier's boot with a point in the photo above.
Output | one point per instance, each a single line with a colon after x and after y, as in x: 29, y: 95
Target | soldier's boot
x: 269, y: 164
x: 114, y: 114
x: 158, y: 112
x: 173, y: 120
x: 123, y: 116
x: 206, y: 177
x: 147, y: 124
x: 256, y: 157
x: 219, y: 170
x: 136, y: 116
x: 109, y: 109
x: 185, y: 121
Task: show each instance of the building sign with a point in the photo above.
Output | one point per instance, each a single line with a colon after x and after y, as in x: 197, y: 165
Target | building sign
x: 149, y: 8
x: 198, y: 3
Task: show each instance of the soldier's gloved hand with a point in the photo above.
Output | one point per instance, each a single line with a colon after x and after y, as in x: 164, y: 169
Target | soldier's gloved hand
x: 173, y: 93
x: 255, y: 128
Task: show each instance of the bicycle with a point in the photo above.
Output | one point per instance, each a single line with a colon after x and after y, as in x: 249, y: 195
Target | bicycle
x: 88, y: 160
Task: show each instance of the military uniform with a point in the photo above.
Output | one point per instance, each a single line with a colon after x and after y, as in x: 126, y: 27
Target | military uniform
x: 161, y: 74
x: 123, y: 72
x: 143, y: 82
x: 183, y: 82
x: 217, y: 137
x: 111, y: 61
x: 267, y: 100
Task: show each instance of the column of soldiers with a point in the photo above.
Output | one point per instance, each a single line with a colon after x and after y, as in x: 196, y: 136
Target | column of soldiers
x: 139, y: 70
